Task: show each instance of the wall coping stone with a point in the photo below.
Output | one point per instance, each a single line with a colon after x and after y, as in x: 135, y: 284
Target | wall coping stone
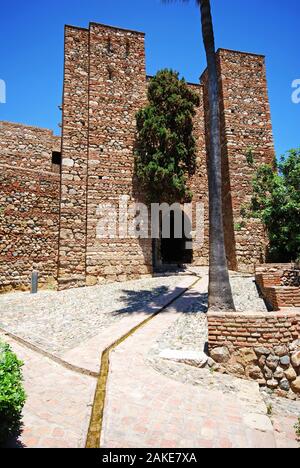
x: 263, y: 315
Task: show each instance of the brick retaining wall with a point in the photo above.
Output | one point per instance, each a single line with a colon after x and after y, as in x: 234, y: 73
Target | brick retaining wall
x: 279, y: 285
x: 253, y: 329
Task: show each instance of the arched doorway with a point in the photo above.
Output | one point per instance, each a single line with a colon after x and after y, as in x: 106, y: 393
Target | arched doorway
x: 176, y: 239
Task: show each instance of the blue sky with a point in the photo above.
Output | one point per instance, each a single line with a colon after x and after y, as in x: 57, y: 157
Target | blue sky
x: 31, y: 49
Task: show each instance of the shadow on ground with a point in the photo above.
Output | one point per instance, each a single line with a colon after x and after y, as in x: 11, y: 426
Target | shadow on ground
x: 14, y: 442
x: 191, y: 302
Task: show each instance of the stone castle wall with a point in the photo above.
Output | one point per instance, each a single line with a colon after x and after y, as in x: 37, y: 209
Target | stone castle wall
x: 104, y: 88
x: 105, y: 85
x: 29, y: 206
x: 117, y: 90
x: 247, y: 142
x: 73, y: 201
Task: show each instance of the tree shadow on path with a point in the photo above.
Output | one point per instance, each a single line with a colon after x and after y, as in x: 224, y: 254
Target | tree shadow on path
x: 151, y: 301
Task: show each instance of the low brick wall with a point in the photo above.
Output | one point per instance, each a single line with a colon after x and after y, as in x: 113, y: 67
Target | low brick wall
x: 270, y: 274
x: 261, y: 346
x: 282, y: 296
x: 279, y: 284
x: 253, y: 329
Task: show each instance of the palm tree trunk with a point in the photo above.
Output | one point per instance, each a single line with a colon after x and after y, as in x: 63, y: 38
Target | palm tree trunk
x: 220, y: 294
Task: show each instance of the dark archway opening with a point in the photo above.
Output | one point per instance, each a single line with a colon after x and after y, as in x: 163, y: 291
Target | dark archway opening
x: 176, y: 239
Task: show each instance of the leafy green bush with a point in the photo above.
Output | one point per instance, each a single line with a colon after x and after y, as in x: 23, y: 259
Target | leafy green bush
x: 12, y: 395
x: 276, y: 201
x: 166, y: 147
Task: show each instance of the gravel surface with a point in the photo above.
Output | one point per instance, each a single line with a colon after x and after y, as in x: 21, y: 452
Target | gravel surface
x: 245, y: 294
x: 189, y: 332
x: 59, y: 321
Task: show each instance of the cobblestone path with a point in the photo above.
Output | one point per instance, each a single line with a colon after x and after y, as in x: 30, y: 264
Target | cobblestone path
x: 148, y: 404
x: 145, y: 408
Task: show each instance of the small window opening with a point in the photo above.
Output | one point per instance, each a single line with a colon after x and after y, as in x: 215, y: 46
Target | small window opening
x: 127, y: 53
x: 56, y: 161
x: 109, y: 46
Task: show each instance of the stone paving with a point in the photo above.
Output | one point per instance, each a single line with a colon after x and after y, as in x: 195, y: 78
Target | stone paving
x: 59, y: 321
x: 59, y: 402
x: 149, y: 403
x: 145, y: 408
x: 58, y: 408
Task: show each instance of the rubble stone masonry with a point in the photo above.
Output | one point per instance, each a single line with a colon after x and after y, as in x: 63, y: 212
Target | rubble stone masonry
x: 105, y: 84
x: 73, y: 200
x: 264, y: 347
x: 29, y: 206
x: 247, y: 142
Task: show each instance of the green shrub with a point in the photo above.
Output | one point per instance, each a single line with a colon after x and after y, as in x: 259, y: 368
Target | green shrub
x: 12, y: 395
x: 276, y: 201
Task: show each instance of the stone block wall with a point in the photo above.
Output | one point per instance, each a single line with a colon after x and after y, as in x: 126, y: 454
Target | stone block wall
x: 247, y: 142
x: 73, y: 201
x: 105, y: 86
x: 260, y: 346
x: 29, y: 206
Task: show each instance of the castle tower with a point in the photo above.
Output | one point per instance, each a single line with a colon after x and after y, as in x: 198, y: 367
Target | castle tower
x: 105, y: 86
x: 247, y: 142
x: 73, y: 200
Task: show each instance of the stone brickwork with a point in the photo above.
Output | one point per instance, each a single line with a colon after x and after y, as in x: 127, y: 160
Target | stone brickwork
x: 199, y: 183
x: 117, y: 90
x: 247, y: 142
x: 260, y: 346
x: 73, y: 201
x: 105, y: 84
x: 27, y: 147
x: 29, y: 206
x: 110, y: 83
